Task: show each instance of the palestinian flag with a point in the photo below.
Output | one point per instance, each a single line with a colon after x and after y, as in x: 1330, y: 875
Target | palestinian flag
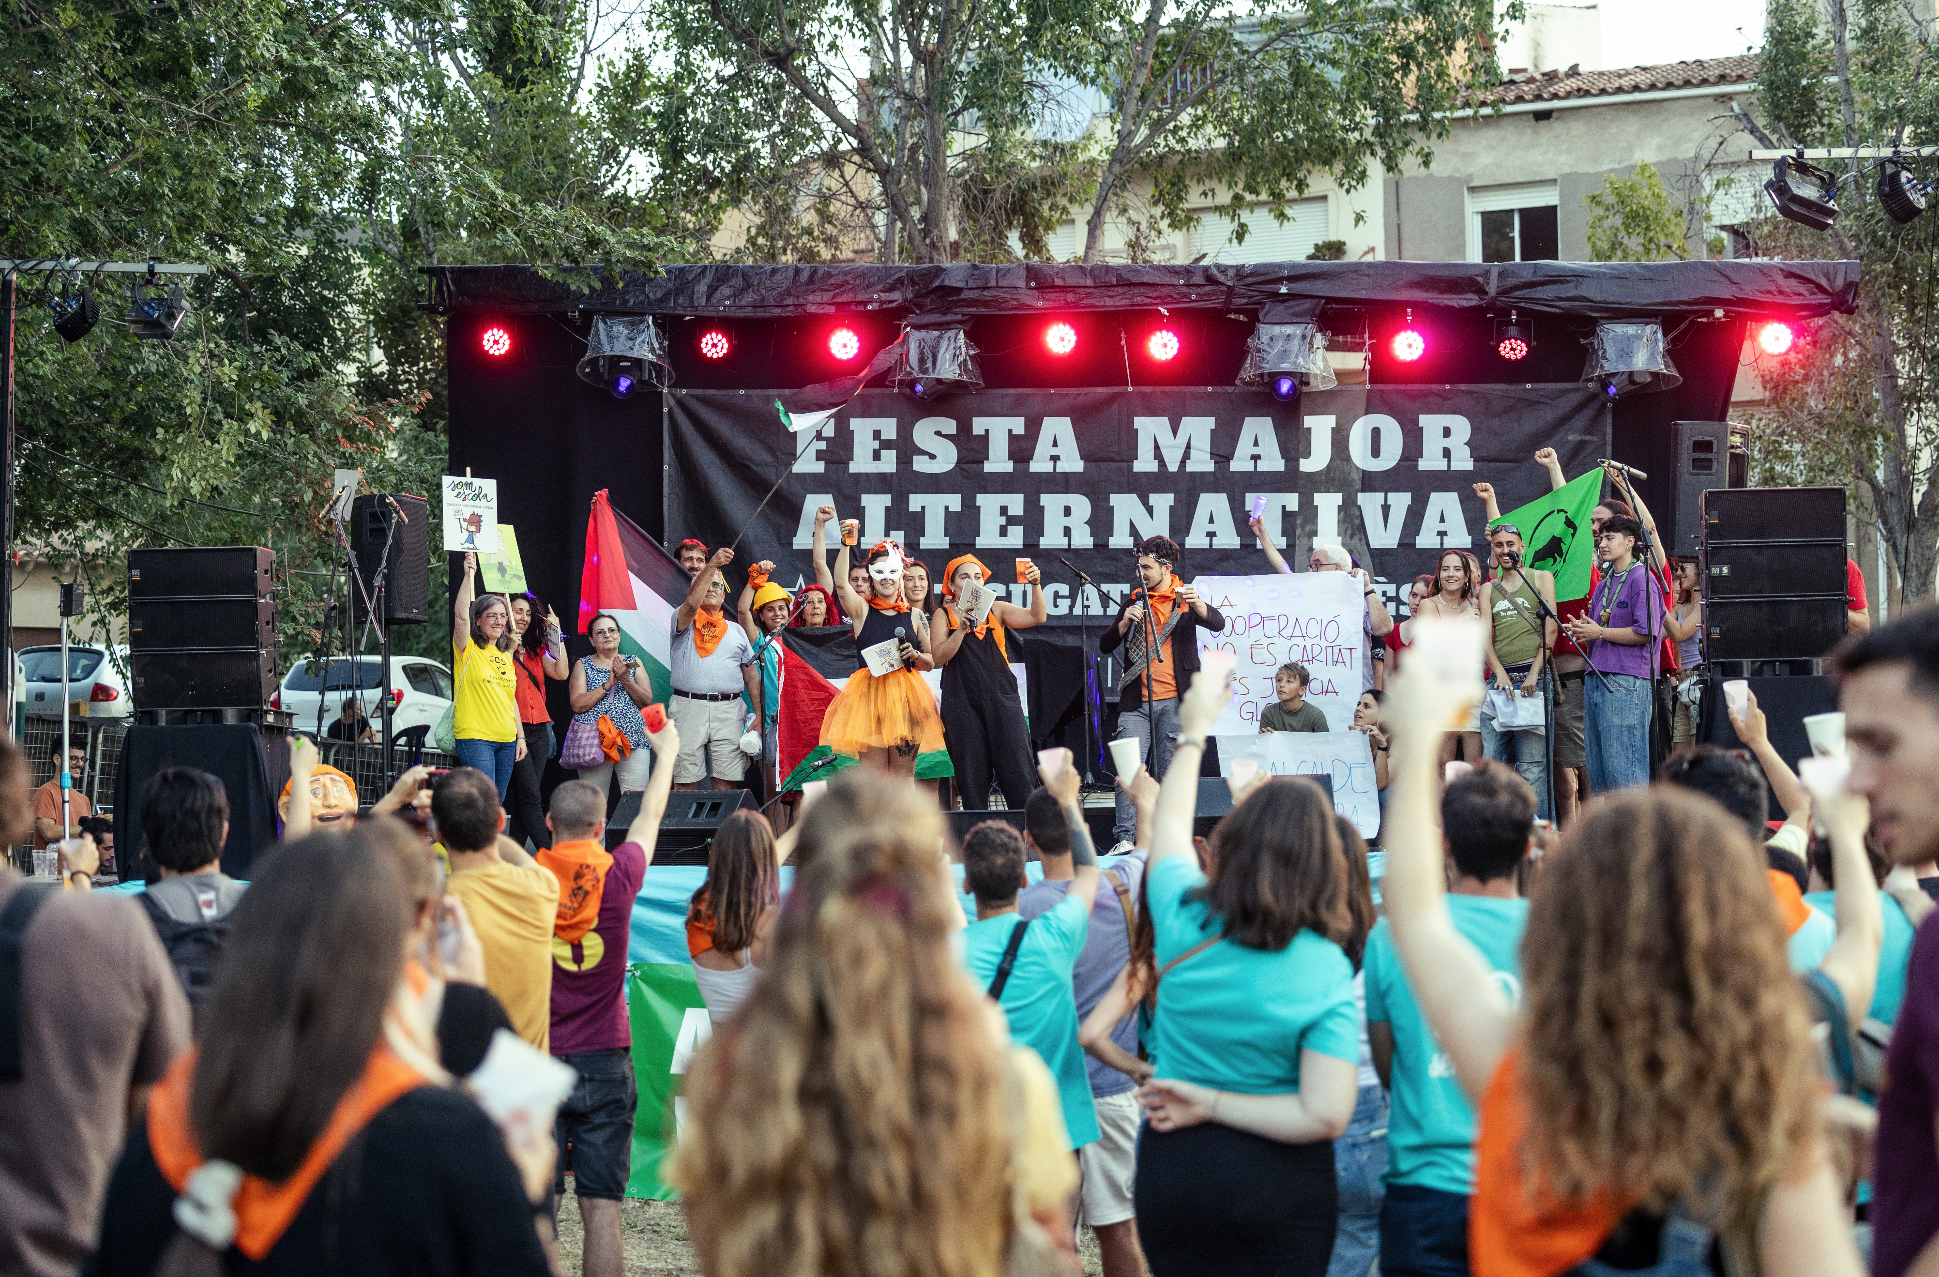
x: 1555, y: 529
x: 811, y: 406
x: 815, y: 665
x: 630, y: 576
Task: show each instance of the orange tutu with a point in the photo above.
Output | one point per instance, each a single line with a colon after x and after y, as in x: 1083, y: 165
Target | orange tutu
x: 883, y: 713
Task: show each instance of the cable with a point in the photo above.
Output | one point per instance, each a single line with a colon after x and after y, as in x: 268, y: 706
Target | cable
x: 104, y: 509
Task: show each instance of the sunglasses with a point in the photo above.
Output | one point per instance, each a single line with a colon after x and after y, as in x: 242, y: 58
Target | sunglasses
x: 1500, y: 528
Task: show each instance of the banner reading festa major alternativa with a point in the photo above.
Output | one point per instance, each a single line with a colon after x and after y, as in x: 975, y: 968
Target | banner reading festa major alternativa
x: 1387, y: 471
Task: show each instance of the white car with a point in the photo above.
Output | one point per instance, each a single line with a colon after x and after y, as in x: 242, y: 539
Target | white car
x: 420, y: 691
x: 98, y: 682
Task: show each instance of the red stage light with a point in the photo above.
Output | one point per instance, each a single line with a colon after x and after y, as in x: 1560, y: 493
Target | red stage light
x: 1408, y: 345
x: 843, y: 344
x: 1163, y: 344
x: 1775, y: 338
x: 1512, y: 348
x: 714, y: 344
x: 496, y: 341
x: 1060, y: 339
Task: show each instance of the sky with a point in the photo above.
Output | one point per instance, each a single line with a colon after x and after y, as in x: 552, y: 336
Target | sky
x: 1645, y: 32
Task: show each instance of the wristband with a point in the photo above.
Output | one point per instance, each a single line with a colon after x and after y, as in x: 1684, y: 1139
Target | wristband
x: 1181, y: 739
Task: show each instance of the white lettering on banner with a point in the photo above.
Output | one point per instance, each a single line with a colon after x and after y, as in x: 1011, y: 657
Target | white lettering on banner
x: 1056, y: 599
x: 808, y: 460
x: 999, y: 429
x: 1090, y: 603
x: 1258, y: 447
x: 1444, y: 442
x: 1383, y: 532
x: 938, y: 450
x: 1128, y: 508
x: 1067, y: 522
x: 1057, y: 449
x: 1191, y: 442
x: 932, y: 506
x: 1212, y: 524
x: 1443, y: 525
x: 1277, y: 504
x: 869, y: 456
x: 1314, y: 618
x: 1321, y: 455
x: 1326, y: 516
x: 996, y: 508
x: 1342, y: 757
x: 1369, y: 454
x: 804, y: 531
x: 875, y: 517
x: 696, y: 1026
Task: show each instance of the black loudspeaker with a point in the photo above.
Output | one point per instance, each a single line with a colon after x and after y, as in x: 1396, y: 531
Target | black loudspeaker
x: 1786, y: 703
x: 234, y: 571
x: 251, y: 762
x: 202, y: 628
x: 402, y: 523
x: 687, y: 828
x: 1739, y: 456
x: 204, y: 678
x: 1745, y: 569
x: 1766, y: 629
x: 1771, y: 565
x: 1774, y: 514
x: 201, y: 623
x: 1702, y: 463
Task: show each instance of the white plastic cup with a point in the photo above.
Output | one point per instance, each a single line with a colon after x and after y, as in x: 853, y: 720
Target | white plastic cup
x: 1824, y: 776
x: 1243, y: 771
x: 1052, y: 762
x: 1451, y: 650
x: 1826, y: 733
x: 1259, y: 506
x: 1737, y: 695
x: 44, y: 863
x: 1455, y: 770
x: 1127, y: 752
x: 1218, y: 664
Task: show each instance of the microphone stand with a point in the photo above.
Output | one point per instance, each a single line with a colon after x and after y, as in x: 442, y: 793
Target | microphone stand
x: 1090, y: 664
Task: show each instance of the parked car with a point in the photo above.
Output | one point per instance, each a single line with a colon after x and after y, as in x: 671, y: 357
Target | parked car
x: 420, y: 690
x: 99, y: 683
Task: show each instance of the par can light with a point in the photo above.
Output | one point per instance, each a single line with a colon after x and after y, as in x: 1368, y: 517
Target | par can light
x: 843, y: 344
x: 1803, y: 193
x: 1162, y: 345
x: 1775, y: 338
x: 714, y: 344
x: 1060, y: 339
x: 1900, y: 194
x: 495, y: 341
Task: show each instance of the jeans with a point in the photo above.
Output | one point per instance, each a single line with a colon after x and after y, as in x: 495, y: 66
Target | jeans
x: 492, y: 757
x: 1615, y: 728
x: 1423, y: 1233
x: 1359, y: 1160
x: 1528, y: 751
x: 1139, y: 724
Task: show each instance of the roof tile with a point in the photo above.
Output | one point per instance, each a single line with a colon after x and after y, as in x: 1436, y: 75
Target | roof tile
x: 1559, y: 86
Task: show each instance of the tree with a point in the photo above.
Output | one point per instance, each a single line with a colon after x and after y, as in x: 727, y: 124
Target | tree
x: 1632, y: 219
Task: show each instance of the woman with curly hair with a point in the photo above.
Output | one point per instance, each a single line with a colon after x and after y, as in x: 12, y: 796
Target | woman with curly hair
x: 862, y: 1115
x: 1654, y: 1098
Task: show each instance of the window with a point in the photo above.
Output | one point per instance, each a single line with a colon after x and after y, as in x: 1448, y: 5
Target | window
x: 1513, y: 223
x: 422, y: 678
x: 308, y: 676
x: 1267, y: 239
x: 44, y: 664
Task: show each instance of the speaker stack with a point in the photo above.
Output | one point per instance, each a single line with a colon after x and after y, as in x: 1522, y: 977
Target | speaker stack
x: 201, y: 631
x: 692, y: 817
x: 391, y: 531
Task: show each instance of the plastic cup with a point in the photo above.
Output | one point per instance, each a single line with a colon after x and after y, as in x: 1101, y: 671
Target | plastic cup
x: 1243, y: 771
x: 1737, y: 696
x: 1052, y: 762
x: 1218, y: 665
x: 44, y: 864
x: 1127, y: 752
x: 1455, y: 770
x: 1023, y: 568
x: 1824, y: 777
x: 1450, y: 649
x: 851, y: 531
x: 1826, y: 733
x: 1259, y: 506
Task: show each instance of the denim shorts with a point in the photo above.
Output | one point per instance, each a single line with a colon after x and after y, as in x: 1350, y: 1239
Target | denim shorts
x: 595, y: 1125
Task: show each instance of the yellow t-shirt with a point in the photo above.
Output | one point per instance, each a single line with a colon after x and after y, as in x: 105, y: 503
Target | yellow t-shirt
x: 511, y: 908
x: 1047, y: 1165
x: 486, y: 707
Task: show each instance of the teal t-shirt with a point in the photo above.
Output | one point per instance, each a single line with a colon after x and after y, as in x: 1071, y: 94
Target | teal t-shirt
x: 1235, y: 1018
x: 1039, y: 999
x: 1430, y: 1125
x: 1811, y: 941
x: 1893, y: 956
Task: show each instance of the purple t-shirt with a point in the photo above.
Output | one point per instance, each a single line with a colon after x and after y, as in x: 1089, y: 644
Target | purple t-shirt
x: 589, y: 978
x: 1634, y: 602
x: 1905, y: 1209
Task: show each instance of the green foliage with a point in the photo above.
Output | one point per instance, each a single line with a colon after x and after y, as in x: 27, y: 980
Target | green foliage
x: 1795, y: 94
x: 1328, y: 250
x: 1632, y: 219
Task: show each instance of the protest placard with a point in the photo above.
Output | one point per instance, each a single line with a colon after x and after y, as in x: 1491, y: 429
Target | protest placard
x: 1344, y: 757
x: 504, y: 570
x: 1316, y: 619
x: 470, y: 514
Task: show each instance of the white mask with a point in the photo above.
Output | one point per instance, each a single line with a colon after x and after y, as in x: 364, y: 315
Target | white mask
x: 888, y: 568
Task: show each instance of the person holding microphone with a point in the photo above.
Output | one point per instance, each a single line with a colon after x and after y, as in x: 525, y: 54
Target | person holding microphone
x: 982, y: 714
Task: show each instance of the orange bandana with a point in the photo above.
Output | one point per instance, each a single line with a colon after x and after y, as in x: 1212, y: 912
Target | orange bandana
x: 265, y: 1210
x: 1792, y: 911
x: 700, y: 924
x: 896, y: 604
x: 580, y: 867
x: 709, y: 628
x: 1169, y: 588
x: 756, y: 578
x: 991, y: 624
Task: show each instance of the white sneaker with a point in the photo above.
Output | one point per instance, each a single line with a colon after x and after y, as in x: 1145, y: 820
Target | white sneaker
x: 1122, y: 847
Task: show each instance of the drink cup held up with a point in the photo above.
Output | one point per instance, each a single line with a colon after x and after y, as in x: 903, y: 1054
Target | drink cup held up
x: 1737, y: 695
x: 1127, y: 753
x: 1450, y: 650
x: 1826, y: 733
x: 851, y: 531
x: 1023, y: 571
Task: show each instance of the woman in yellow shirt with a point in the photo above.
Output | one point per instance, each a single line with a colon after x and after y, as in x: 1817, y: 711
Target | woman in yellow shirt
x: 484, y: 717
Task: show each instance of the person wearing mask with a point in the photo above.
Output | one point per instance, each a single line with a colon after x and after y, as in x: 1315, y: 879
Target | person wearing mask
x: 47, y: 801
x: 1515, y: 609
x: 1655, y: 1094
x: 607, y: 687
x: 887, y: 721
x: 509, y: 898
x: 351, y: 725
x: 1255, y: 1037
x: 590, y: 1031
x: 539, y: 652
x: 484, y: 719
x: 1619, y: 633
x: 1108, y: 1163
x: 1684, y: 623
x: 1489, y: 821
x: 1158, y: 629
x: 867, y: 1031
x: 715, y: 678
x: 730, y: 919
x: 983, y: 722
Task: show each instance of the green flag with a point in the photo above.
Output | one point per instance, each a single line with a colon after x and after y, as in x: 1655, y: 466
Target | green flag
x: 1555, y: 529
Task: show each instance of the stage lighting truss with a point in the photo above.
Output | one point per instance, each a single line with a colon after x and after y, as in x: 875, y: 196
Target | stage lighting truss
x: 1630, y: 358
x: 155, y: 313
x: 1900, y: 193
x: 625, y: 353
x: 937, y: 361
x: 1803, y: 193
x: 1286, y: 359
x: 1514, y: 340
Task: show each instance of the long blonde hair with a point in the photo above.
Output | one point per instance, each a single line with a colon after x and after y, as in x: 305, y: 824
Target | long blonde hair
x: 853, y: 1121
x: 1667, y: 1049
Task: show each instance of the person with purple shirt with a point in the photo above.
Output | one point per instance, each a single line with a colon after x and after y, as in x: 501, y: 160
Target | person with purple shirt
x: 590, y: 1030
x: 1619, y: 632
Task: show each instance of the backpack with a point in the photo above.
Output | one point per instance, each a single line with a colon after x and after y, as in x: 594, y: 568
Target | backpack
x: 1853, y: 1060
x: 194, y: 949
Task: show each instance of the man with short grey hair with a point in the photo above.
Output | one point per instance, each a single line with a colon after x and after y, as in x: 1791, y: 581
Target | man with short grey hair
x: 1375, y: 623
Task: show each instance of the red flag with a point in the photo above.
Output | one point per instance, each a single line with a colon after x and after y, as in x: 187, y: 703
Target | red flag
x: 604, y: 584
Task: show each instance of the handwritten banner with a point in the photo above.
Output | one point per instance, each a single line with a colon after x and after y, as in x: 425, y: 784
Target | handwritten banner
x: 1316, y: 619
x: 471, y: 514
x: 1344, y: 757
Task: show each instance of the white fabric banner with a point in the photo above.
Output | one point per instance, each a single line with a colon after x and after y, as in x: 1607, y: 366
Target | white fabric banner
x: 1343, y: 757
x: 1317, y: 619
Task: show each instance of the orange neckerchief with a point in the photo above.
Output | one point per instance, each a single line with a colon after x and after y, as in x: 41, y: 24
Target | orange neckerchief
x: 700, y: 924
x: 709, y: 628
x: 896, y: 604
x: 580, y: 866
x: 1792, y: 911
x: 1515, y: 1230
x: 991, y: 623
x: 1169, y: 588
x: 264, y: 1211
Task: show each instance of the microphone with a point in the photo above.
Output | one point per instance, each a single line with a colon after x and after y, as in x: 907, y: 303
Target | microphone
x: 1511, y: 559
x: 900, y: 632
x: 1631, y: 471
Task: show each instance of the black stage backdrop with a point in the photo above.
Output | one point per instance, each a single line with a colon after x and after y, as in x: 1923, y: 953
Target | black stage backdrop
x: 1084, y: 475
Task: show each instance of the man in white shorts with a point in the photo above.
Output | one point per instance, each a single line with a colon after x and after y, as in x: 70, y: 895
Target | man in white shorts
x: 713, y: 663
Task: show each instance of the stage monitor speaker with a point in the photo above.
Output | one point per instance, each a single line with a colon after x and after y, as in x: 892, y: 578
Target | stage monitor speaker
x: 252, y: 763
x: 692, y: 817
x: 1773, y: 569
x: 1772, y: 629
x: 203, y: 678
x: 1702, y: 463
x: 1773, y: 514
x: 1785, y: 702
x: 229, y: 571
x: 201, y: 623
x: 402, y: 522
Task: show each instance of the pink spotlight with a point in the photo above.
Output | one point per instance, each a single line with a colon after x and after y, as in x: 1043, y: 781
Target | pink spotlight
x: 1775, y: 338
x: 1408, y: 345
x: 843, y: 344
x: 714, y: 344
x: 1060, y: 339
x: 496, y: 341
x: 1163, y: 344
